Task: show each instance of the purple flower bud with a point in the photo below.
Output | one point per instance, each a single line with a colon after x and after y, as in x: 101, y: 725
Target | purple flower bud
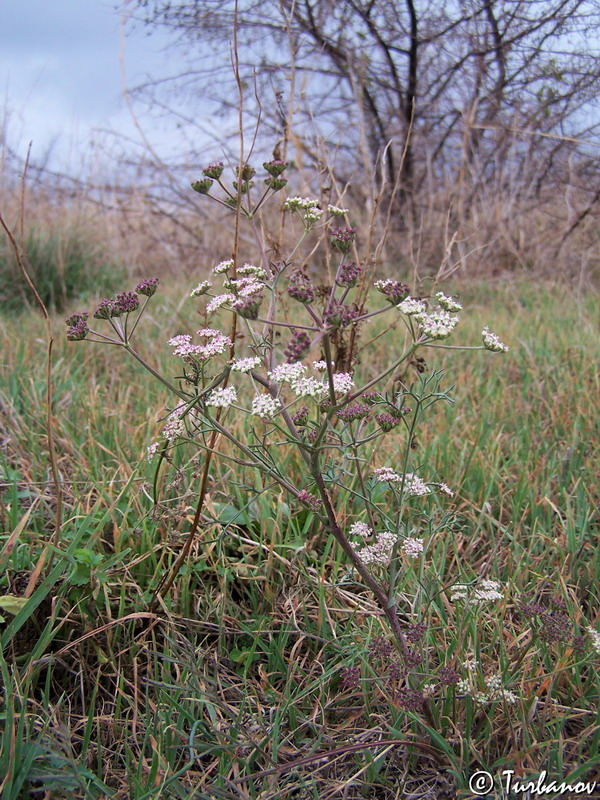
x: 275, y: 184
x: 213, y: 170
x: 78, y: 331
x: 370, y: 397
x: 275, y: 167
x: 125, y: 302
x: 342, y: 238
x: 248, y: 307
x: 350, y: 677
x: 300, y: 287
x: 203, y: 186
x: 248, y: 172
x: 298, y: 347
x: 348, y: 275
x: 147, y: 287
x: 104, y: 310
x: 448, y: 676
x: 340, y: 315
x: 309, y: 499
x: 300, y: 418
x: 386, y: 421
x: 79, y: 316
x: 353, y: 412
x: 394, y: 291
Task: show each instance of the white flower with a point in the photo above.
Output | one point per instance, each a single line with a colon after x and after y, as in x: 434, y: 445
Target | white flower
x: 263, y: 405
x: 286, y: 373
x: 208, y: 333
x: 387, y: 474
x: 218, y: 301
x: 222, y: 398
x: 410, y: 306
x: 296, y: 203
x: 360, y: 529
x: 222, y: 267
x: 249, y: 269
x: 152, y: 451
x: 415, y: 486
x: 492, y: 342
x: 484, y: 591
x: 448, y: 303
x: 412, y: 547
x: 320, y: 366
x: 335, y: 211
x: 381, y: 551
x: 446, y: 489
x: 201, y: 289
x: 175, y: 426
x: 437, y: 325
x: 342, y: 382
x: 595, y: 637
x: 308, y: 387
x: 245, y: 364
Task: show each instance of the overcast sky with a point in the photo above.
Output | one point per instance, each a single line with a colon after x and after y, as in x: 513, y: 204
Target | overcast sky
x: 61, y: 77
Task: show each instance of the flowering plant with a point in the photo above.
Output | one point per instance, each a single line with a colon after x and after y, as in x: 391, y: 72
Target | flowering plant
x: 301, y: 386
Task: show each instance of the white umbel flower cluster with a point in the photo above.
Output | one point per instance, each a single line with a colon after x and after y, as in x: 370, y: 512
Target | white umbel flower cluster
x: 380, y: 553
x: 360, y: 529
x: 201, y: 289
x: 595, y: 637
x: 336, y: 211
x: 265, y: 406
x: 448, y: 303
x: 494, y: 691
x: 222, y: 398
x: 286, y: 373
x: 438, y: 324
x: 484, y: 591
x: 492, y: 342
x: 412, y: 547
x: 411, y: 306
x: 223, y: 266
x: 218, y: 301
x: 342, y: 382
x: 245, y: 364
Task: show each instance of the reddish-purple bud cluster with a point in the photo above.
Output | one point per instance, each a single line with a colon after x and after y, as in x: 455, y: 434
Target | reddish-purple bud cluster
x: 387, y: 422
x: 125, y: 303
x: 381, y: 647
x: 448, y: 676
x: 214, y: 170
x: 348, y: 275
x: 248, y: 307
x: 78, y: 328
x: 147, y: 287
x: 203, y: 186
x: 350, y: 677
x: 339, y: 315
x: 300, y: 418
x: 275, y: 184
x: 298, y: 347
x: 395, y: 291
x: 275, y: 167
x: 416, y: 632
x: 309, y: 499
x: 247, y: 172
x: 353, y: 412
x: 301, y: 288
x: 342, y: 238
x: 411, y: 700
x: 104, y: 309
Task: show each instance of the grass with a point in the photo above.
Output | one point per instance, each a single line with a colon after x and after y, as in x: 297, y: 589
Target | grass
x: 234, y: 688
